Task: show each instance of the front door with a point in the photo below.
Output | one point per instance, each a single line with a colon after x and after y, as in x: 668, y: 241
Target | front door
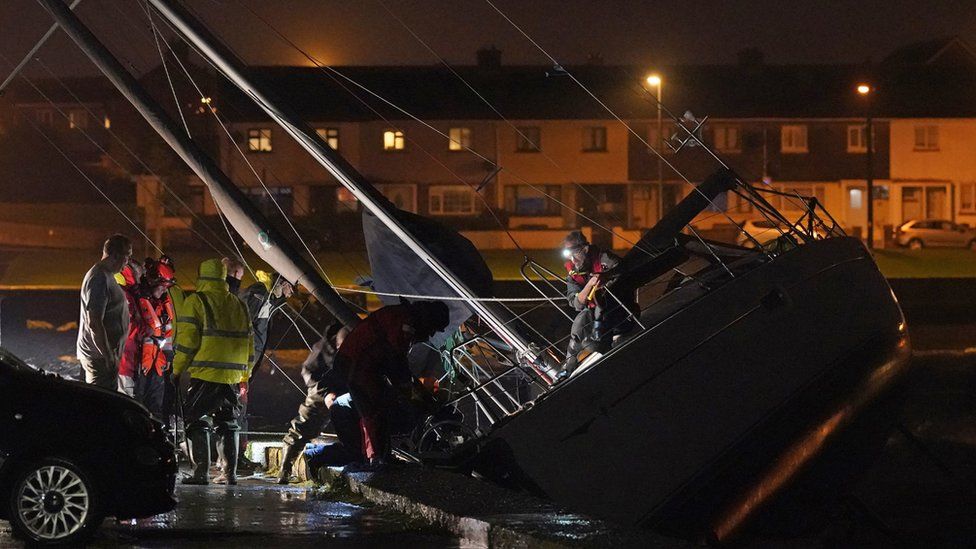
x: 936, y: 203
x: 857, y: 210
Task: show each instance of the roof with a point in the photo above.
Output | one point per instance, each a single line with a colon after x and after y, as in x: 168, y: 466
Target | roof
x: 539, y: 92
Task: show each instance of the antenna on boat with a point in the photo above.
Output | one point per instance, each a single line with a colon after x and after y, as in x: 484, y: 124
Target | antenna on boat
x: 252, y: 225
x: 199, y: 37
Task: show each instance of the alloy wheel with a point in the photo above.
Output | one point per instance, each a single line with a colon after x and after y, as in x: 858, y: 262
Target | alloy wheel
x: 53, y: 502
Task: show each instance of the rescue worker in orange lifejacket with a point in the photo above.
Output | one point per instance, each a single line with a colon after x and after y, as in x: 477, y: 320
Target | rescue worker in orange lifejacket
x: 159, y: 317
x: 129, y: 279
x: 585, y: 265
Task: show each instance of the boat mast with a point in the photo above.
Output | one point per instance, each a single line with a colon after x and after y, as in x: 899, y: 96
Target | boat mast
x: 252, y: 225
x: 205, y: 43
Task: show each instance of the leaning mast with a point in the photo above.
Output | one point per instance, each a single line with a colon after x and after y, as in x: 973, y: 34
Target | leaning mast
x: 196, y: 34
x: 250, y: 223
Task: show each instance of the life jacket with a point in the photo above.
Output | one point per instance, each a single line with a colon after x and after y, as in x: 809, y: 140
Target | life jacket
x: 593, y: 256
x: 159, y: 318
x: 214, y: 341
x: 133, y: 339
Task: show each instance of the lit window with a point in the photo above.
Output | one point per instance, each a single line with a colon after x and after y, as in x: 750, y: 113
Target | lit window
x: 726, y: 138
x: 927, y: 138
x: 451, y: 200
x: 595, y: 139
x: 967, y: 197
x: 459, y: 139
x: 857, y: 141
x: 330, y: 136
x: 793, y: 139
x: 528, y: 139
x: 346, y: 201
x: 856, y: 198
x: 77, y: 119
x: 259, y: 140
x: 393, y: 140
x: 108, y: 123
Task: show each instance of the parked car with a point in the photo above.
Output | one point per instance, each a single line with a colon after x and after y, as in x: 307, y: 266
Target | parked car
x: 924, y: 233
x: 762, y: 230
x: 72, y: 454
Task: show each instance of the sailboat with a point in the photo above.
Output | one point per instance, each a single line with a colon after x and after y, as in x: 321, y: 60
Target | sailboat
x: 756, y: 383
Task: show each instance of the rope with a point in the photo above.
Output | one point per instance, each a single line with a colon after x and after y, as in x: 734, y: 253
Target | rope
x: 445, y: 298
x: 92, y: 183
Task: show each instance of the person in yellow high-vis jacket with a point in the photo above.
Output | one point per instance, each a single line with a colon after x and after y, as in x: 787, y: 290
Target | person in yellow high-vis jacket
x: 215, y: 345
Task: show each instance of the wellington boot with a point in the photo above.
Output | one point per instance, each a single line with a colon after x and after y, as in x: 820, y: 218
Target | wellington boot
x: 227, y: 444
x: 289, y: 454
x: 199, y: 443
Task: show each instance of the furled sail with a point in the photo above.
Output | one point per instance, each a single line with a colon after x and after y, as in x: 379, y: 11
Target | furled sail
x: 398, y: 270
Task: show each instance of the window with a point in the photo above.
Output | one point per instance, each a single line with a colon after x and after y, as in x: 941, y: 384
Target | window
x: 796, y: 197
x: 77, y: 118
x: 393, y: 140
x: 856, y: 198
x: 259, y: 140
x: 658, y: 143
x: 269, y: 201
x: 528, y: 139
x: 727, y: 138
x: 857, y: 141
x: 345, y: 201
x: 595, y: 139
x: 967, y: 197
x: 45, y: 116
x: 330, y: 136
x: 793, y: 139
x: 927, y: 138
x: 459, y: 139
x: 451, y: 200
x: 526, y: 200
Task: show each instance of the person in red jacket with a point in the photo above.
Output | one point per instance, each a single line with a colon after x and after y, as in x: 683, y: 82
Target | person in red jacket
x: 158, y: 317
x: 373, y: 362
x: 130, y: 281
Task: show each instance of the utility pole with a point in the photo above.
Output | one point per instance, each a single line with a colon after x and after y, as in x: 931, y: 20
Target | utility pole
x: 867, y: 92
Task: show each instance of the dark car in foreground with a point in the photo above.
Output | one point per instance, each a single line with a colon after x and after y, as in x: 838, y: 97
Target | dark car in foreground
x: 72, y: 454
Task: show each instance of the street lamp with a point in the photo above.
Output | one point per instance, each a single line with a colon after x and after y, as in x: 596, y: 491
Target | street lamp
x: 867, y: 92
x: 655, y: 82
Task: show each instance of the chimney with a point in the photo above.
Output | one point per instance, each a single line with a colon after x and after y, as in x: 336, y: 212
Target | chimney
x: 490, y: 58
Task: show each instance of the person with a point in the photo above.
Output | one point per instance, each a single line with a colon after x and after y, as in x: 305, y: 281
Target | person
x: 372, y: 362
x: 586, y: 265
x: 104, y: 318
x: 130, y: 280
x: 262, y: 298
x: 158, y: 316
x: 215, y: 345
x: 235, y: 273
x: 321, y: 394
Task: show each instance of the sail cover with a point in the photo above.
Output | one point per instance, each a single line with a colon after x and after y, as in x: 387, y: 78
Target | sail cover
x: 398, y: 270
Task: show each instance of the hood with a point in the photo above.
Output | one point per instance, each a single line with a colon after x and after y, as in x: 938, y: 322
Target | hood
x: 211, y: 277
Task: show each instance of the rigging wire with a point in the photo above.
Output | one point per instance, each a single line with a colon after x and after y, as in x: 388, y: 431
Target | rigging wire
x: 135, y: 156
x: 91, y: 181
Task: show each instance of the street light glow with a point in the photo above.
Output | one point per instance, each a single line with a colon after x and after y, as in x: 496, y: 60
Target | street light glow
x: 654, y: 80
x: 863, y: 89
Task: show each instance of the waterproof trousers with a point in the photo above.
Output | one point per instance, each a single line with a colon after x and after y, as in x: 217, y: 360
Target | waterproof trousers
x: 150, y: 391
x: 213, y: 407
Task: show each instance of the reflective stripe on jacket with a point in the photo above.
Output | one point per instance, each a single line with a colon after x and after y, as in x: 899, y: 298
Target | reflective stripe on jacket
x: 214, y: 340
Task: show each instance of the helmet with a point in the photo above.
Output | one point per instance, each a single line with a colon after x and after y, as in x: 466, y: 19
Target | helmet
x: 160, y: 272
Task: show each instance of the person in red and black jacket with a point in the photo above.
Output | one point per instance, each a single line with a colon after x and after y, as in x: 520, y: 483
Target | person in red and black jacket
x: 372, y: 362
x: 585, y: 267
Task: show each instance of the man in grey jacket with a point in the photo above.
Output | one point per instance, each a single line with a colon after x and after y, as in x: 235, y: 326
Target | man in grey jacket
x: 104, y: 317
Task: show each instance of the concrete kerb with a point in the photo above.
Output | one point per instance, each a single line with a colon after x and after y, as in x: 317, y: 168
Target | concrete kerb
x: 454, y: 503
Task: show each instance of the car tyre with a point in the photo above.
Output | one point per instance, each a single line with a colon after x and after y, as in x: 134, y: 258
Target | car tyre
x: 915, y: 244
x: 53, y: 503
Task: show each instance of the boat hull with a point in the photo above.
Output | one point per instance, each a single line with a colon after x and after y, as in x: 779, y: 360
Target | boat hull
x: 720, y: 410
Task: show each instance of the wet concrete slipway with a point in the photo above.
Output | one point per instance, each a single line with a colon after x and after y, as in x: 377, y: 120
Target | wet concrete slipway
x: 259, y: 514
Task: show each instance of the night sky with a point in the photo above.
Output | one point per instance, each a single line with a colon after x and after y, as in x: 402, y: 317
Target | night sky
x: 633, y: 32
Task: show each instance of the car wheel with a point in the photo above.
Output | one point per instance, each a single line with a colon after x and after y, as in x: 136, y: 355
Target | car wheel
x: 53, y: 502
x: 915, y: 244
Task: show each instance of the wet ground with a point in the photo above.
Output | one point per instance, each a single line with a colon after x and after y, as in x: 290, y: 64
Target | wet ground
x: 256, y: 514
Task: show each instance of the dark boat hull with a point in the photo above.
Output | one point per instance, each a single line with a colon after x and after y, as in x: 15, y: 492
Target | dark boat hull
x: 726, y: 409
